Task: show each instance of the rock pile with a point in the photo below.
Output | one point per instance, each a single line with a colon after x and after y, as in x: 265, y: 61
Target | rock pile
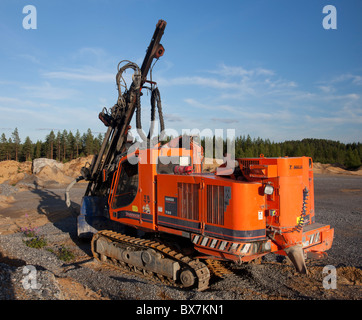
x: 40, y: 172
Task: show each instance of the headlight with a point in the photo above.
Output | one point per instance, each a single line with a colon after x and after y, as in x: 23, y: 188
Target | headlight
x: 266, y: 246
x: 268, y: 189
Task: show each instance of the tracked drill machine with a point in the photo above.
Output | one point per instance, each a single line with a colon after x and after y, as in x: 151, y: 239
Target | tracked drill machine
x: 151, y: 210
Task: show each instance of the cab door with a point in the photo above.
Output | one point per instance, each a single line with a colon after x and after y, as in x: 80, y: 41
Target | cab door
x: 124, y: 199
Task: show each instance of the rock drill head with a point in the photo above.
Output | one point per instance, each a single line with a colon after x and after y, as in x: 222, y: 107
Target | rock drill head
x: 296, y: 255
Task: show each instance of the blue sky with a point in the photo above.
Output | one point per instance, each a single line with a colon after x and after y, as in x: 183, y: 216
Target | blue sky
x: 266, y: 68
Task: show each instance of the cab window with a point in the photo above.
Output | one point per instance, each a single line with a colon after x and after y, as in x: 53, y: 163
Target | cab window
x: 127, y: 187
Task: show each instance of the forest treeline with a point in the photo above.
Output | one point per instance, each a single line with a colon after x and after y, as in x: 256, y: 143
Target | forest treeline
x: 320, y: 150
x: 65, y: 146
x: 62, y: 146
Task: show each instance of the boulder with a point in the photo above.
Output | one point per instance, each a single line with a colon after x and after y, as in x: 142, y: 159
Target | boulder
x: 40, y: 163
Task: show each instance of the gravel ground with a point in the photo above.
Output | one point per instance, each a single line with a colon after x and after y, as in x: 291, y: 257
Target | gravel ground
x: 7, y: 190
x: 338, y: 203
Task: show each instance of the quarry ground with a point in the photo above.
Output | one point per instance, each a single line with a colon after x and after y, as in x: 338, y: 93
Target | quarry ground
x: 338, y: 202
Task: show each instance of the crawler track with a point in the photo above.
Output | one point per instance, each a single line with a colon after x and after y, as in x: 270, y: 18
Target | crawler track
x: 217, y: 268
x: 192, y: 273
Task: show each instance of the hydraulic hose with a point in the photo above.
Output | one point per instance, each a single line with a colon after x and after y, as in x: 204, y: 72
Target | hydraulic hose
x: 70, y: 186
x: 155, y: 103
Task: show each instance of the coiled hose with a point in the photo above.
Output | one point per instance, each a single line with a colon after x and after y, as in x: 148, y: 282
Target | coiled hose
x: 155, y: 103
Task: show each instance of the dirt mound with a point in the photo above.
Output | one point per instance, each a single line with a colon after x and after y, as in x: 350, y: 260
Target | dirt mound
x: 39, y: 174
x: 72, y: 168
x: 320, y: 168
x: 54, y: 175
x: 13, y: 171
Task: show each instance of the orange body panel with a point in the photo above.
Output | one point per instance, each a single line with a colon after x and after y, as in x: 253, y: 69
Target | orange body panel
x: 226, y: 217
x: 241, y: 220
x: 141, y: 212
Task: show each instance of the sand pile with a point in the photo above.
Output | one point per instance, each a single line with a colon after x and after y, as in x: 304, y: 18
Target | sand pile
x: 52, y: 172
x: 320, y: 168
x: 41, y: 172
x: 41, y: 175
x: 52, y: 175
x: 72, y: 168
x: 49, y: 171
x: 13, y: 171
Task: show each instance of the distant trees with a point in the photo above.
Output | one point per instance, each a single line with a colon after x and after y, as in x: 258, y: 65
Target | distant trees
x: 65, y: 146
x: 321, y: 150
x: 62, y: 146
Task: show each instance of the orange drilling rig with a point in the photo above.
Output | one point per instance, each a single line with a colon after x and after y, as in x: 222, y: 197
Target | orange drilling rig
x: 150, y: 209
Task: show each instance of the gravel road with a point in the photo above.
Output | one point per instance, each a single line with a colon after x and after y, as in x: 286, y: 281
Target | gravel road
x: 338, y: 202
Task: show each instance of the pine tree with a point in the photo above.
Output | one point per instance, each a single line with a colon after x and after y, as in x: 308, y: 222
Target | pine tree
x: 360, y: 151
x: 58, y: 145
x: 37, y: 151
x: 16, y: 141
x: 10, y: 149
x: 98, y: 143
x: 88, y: 142
x: 3, y: 148
x: 71, y: 145
x: 50, y: 138
x: 27, y: 149
x: 64, y: 143
x: 78, y: 141
x: 352, y: 158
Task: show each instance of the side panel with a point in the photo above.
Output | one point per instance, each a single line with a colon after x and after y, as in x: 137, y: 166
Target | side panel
x: 291, y: 200
x: 294, y: 190
x: 235, y: 210
x: 217, y: 207
x: 179, y: 202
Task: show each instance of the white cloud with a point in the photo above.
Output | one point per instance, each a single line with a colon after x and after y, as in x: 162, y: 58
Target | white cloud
x: 225, y: 120
x: 17, y: 102
x: 28, y: 57
x: 85, y: 74
x: 173, y: 117
x: 241, y: 113
x: 198, y: 81
x: 326, y: 89
x: 47, y: 91
x: 91, y: 51
x: 236, y: 82
x: 353, y: 78
x: 239, y: 71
